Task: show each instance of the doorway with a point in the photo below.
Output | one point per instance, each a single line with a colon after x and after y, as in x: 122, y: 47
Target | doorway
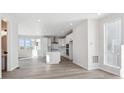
x: 112, y: 43
x: 4, y: 52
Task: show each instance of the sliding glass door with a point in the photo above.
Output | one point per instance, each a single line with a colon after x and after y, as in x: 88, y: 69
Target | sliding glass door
x: 112, y: 43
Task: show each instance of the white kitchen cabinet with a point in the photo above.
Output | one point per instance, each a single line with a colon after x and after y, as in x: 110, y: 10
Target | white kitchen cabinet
x: 61, y: 42
x: 69, y: 38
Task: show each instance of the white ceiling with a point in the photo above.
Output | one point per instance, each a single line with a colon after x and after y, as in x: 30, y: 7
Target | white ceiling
x: 52, y: 23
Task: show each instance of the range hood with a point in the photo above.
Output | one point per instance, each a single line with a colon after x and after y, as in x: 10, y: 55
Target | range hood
x: 54, y: 40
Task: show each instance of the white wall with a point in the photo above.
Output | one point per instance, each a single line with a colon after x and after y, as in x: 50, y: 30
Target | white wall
x: 44, y: 46
x: 12, y: 44
x: 25, y: 53
x: 101, y: 42
x: 80, y: 44
x: 85, y: 44
x: 92, y: 43
x: 30, y: 29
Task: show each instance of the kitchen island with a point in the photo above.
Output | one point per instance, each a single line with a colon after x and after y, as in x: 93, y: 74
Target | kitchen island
x: 53, y: 57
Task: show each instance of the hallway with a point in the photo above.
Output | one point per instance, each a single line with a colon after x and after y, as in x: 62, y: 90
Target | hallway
x: 37, y: 69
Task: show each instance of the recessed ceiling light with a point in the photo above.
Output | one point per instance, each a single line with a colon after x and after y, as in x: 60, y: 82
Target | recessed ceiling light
x: 38, y: 20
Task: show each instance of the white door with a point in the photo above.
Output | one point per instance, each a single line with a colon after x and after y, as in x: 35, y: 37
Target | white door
x: 112, y: 43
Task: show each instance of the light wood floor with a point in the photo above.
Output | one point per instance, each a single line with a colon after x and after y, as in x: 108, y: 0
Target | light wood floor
x: 37, y: 69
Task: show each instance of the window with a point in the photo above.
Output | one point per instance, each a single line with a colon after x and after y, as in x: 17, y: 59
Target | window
x: 25, y: 43
x: 21, y: 43
x: 112, y: 42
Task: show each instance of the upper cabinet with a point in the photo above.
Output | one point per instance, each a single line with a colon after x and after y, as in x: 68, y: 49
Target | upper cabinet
x: 61, y: 42
x: 69, y: 38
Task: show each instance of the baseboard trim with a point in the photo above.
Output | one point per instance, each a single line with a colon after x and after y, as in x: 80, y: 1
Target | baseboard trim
x: 80, y: 65
x: 114, y: 71
x: 25, y: 58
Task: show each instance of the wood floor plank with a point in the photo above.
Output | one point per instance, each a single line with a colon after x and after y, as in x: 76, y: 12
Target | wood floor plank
x: 37, y: 69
